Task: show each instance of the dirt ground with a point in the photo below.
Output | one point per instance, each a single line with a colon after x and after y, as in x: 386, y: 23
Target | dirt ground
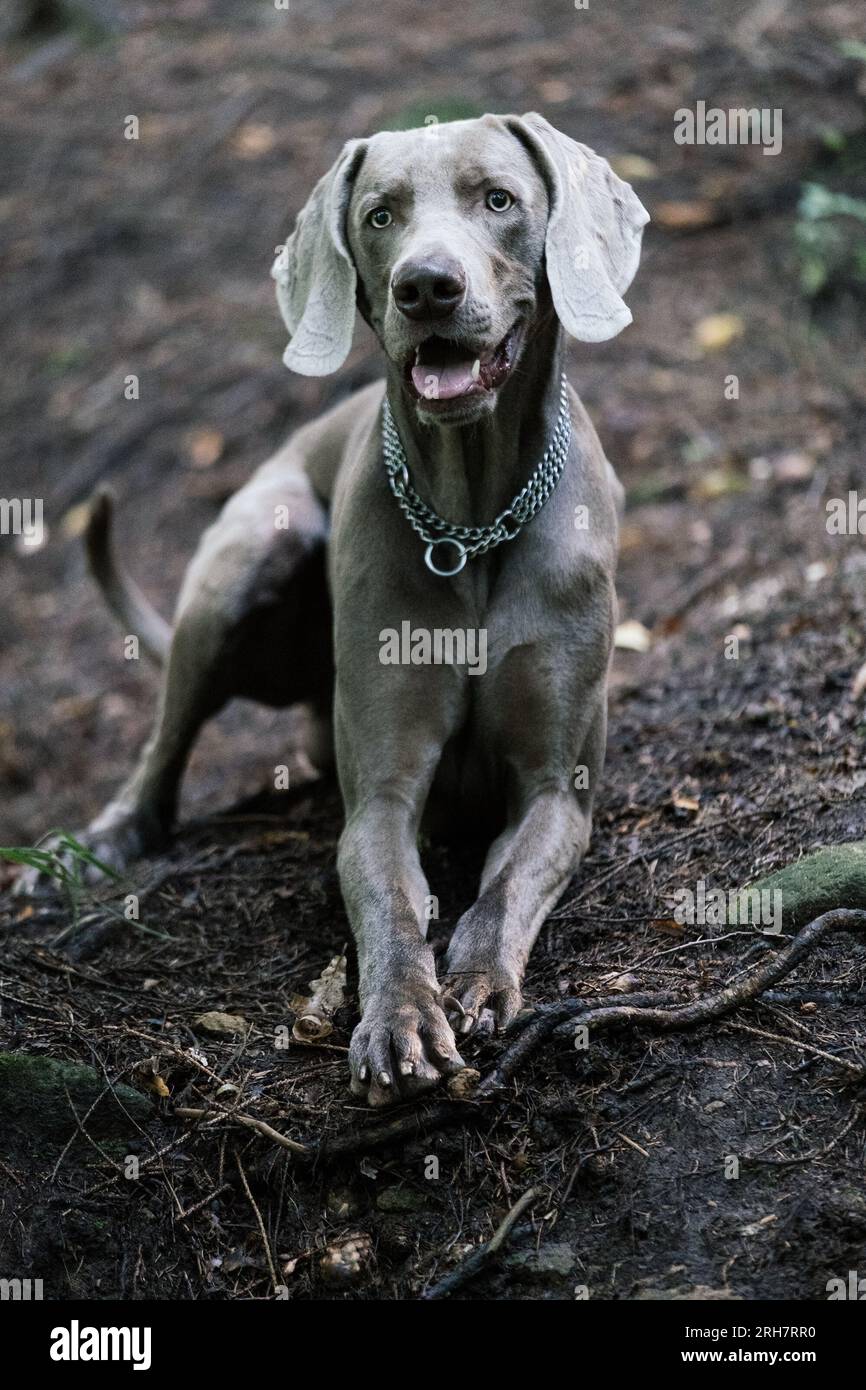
x: 150, y: 257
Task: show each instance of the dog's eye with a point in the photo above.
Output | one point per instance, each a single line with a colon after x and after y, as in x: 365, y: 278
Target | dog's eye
x: 499, y: 201
x: 379, y: 218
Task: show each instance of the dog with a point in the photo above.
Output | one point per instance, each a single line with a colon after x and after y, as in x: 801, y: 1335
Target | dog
x: 467, y: 493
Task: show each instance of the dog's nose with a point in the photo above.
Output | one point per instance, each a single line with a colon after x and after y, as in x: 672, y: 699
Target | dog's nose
x: 431, y: 288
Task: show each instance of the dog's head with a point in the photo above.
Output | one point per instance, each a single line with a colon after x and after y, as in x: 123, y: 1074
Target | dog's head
x: 443, y: 238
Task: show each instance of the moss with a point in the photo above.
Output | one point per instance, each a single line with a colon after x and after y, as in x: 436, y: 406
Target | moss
x: 39, y: 1097
x: 833, y: 877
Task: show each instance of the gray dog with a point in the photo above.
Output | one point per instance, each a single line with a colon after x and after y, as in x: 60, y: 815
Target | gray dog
x: 429, y: 566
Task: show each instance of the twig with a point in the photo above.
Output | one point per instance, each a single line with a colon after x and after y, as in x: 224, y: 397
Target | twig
x: 80, y: 1123
x: 852, y: 1067
x: 814, y: 996
x: 200, y: 1205
x: 855, y: 1115
x: 11, y: 1171
x: 187, y: 1112
x: 261, y: 1225
x: 484, y: 1255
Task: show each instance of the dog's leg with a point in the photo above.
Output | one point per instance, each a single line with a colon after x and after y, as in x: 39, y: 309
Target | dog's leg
x: 404, y: 1042
x: 139, y: 817
x: 526, y: 871
x: 197, y: 685
x: 253, y: 620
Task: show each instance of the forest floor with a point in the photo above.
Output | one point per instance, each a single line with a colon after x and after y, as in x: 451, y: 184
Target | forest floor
x: 151, y: 257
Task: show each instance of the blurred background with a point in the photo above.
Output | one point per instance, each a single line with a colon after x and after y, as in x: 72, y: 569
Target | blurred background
x: 151, y: 257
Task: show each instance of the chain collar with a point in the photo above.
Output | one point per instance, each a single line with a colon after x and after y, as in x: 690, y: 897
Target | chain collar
x: 469, y: 541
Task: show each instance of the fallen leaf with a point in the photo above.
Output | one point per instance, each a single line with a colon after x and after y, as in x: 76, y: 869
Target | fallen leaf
x: 147, y: 1073
x: 685, y: 803
x: 755, y: 1227
x: 204, y: 447
x: 717, y: 331
x: 75, y: 520
x: 221, y: 1025
x: 633, y: 167
x: 631, y: 537
x: 632, y: 636
x: 669, y: 925
x: 684, y: 216
x: 793, y: 467
x: 254, y: 139
x: 555, y: 91
x: 718, y: 482
x: 618, y: 983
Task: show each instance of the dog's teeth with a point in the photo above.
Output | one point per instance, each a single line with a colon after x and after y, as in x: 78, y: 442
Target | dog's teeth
x: 476, y: 368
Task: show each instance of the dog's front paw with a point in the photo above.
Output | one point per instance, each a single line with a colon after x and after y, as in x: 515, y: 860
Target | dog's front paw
x: 403, y: 1044
x: 475, y: 980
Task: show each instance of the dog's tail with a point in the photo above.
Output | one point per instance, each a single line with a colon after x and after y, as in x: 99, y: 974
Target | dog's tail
x: 122, y: 595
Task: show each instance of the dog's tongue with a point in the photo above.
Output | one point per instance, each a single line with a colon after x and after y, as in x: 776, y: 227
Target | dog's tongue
x: 443, y: 381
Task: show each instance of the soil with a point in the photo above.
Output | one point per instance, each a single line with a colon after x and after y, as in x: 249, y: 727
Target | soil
x: 726, y: 759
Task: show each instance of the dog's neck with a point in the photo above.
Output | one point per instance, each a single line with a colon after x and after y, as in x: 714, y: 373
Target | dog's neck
x: 470, y: 473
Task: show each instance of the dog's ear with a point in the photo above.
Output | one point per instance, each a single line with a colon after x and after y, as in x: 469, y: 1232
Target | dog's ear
x: 315, y: 273
x: 594, y: 231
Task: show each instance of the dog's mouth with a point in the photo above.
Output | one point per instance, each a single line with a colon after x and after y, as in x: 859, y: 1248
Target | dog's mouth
x: 445, y: 369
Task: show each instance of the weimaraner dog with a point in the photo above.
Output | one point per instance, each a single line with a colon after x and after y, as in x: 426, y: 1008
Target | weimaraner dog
x: 461, y: 505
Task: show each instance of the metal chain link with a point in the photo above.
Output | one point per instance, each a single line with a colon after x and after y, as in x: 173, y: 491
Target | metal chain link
x: 470, y: 541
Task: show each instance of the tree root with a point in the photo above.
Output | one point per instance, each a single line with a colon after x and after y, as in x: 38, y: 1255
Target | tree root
x: 643, y: 1011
